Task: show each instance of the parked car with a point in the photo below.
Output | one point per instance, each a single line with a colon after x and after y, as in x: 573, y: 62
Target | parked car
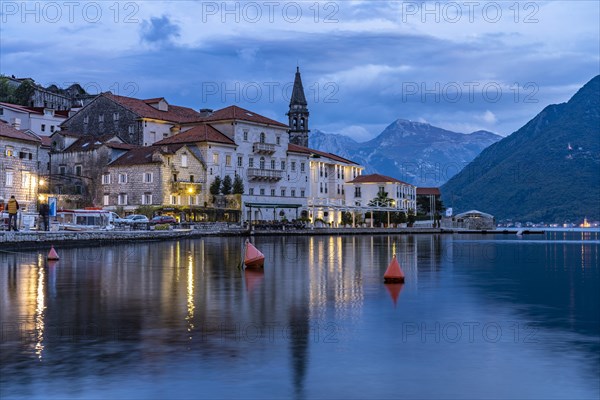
x: 134, y: 218
x: 163, y: 219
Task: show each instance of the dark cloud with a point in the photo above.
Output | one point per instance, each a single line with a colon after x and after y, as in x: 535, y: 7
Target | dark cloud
x: 159, y: 30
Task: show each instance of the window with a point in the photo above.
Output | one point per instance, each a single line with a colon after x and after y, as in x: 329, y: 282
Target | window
x: 325, y: 172
x: 302, y: 193
x: 175, y: 177
x: 293, y: 165
x: 115, y: 116
x: 10, y: 151
x: 262, y: 191
x: 342, y: 172
x: 184, y: 160
x: 338, y: 171
x: 130, y: 129
x: 320, y: 170
x: 283, y: 165
x: 191, y: 200
x: 246, y: 136
x: 338, y: 189
x: 357, y: 192
x: 122, y: 178
x: 51, y: 128
x: 251, y: 162
x: 148, y: 177
x: 228, y: 160
x: 106, y: 179
x: 215, y: 158
x: 9, y: 178
x: 192, y: 178
x: 283, y: 192
x: 381, y: 191
x: 78, y: 189
x: 240, y: 161
x: 122, y: 200
x: 147, y: 198
x: 321, y: 187
x: 293, y: 192
x: 78, y: 170
x: 43, y: 127
x: 86, y: 120
x: 62, y: 170
x: 272, y: 192
x: 302, y: 167
x: 106, y: 200
x: 278, y: 140
x: 272, y: 164
x: 262, y: 163
x: 251, y: 191
x: 101, y: 118
x: 262, y: 137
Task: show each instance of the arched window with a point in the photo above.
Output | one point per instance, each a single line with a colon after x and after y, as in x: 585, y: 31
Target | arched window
x: 301, y: 123
x: 262, y: 163
x: 295, y: 123
x: 262, y: 137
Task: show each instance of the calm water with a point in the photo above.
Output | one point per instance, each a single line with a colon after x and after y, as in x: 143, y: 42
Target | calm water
x: 481, y: 316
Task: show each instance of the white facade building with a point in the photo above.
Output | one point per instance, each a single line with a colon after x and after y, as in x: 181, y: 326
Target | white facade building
x: 41, y: 121
x: 363, y: 191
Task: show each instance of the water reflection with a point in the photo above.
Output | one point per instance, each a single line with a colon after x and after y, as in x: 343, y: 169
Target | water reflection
x: 146, y: 309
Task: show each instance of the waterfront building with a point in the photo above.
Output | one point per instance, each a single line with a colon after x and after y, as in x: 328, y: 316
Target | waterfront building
x: 19, y: 152
x: 167, y: 177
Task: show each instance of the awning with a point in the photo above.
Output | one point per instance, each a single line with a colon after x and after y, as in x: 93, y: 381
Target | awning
x: 271, y: 205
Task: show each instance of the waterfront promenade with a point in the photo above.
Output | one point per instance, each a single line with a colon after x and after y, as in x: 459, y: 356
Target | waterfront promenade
x: 36, y: 239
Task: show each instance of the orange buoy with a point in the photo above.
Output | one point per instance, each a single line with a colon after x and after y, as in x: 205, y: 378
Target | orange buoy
x: 53, y: 255
x: 253, y: 257
x: 394, y: 273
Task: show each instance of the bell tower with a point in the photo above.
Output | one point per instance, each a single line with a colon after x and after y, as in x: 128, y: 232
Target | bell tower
x: 298, y: 114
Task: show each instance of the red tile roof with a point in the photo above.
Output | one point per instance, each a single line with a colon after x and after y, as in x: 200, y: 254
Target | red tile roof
x: 240, y: 114
x: 376, y: 178
x: 10, y: 132
x: 200, y: 133
x: 143, y: 109
x: 46, y: 141
x: 301, y: 149
x: 143, y: 155
x: 428, y: 191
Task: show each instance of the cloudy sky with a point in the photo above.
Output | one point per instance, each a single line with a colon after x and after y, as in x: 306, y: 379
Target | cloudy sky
x: 462, y: 66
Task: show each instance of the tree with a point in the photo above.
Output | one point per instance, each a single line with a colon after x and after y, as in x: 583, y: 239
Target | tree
x: 382, y: 200
x: 215, y: 186
x: 346, y: 218
x: 411, y: 217
x: 238, y: 185
x: 226, y: 185
x: 24, y: 93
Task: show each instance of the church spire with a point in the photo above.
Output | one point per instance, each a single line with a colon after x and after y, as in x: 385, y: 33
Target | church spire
x: 298, y: 113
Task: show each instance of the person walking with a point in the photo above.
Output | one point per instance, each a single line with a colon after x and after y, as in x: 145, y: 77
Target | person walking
x: 12, y: 208
x: 44, y: 211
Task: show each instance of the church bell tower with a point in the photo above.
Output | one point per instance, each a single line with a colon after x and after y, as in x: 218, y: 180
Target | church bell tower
x: 298, y: 114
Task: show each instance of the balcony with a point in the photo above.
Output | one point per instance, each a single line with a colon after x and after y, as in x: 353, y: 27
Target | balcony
x: 263, y: 148
x: 257, y: 174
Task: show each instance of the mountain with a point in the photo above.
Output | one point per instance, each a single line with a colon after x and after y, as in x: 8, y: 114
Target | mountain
x: 547, y: 171
x: 414, y: 152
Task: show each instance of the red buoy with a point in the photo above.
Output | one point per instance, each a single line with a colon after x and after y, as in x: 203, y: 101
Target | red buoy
x: 253, y: 257
x: 52, y: 255
x: 394, y: 273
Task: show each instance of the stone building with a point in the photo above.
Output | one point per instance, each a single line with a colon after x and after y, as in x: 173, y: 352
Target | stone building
x: 138, y: 122
x: 76, y: 165
x: 168, y: 177
x: 19, y: 151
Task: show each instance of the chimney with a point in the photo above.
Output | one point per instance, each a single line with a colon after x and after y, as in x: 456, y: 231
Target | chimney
x: 206, y: 112
x: 16, y: 123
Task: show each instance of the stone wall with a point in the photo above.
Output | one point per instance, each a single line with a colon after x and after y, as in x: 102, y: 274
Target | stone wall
x: 23, y: 167
x: 105, y: 108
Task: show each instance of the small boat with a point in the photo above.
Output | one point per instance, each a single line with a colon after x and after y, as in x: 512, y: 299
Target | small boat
x: 253, y: 258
